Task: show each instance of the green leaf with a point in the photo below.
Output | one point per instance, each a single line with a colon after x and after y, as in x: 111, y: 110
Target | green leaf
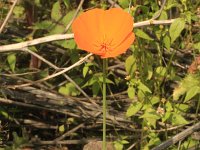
x: 154, y: 140
x: 95, y: 89
x: 43, y: 73
x: 163, y: 15
x: 131, y: 92
x: 178, y: 91
x: 69, y: 89
x: 168, y: 106
x: 180, y: 108
x: 18, y: 11
x: 197, y: 46
x: 67, y: 3
x: 176, y: 28
x: 190, y: 144
x: 130, y: 65
x: 68, y: 44
x: 166, y: 41
x: 170, y: 4
x: 142, y: 34
x: 85, y: 70
x: 57, y: 30
x: 155, y: 100
x: 166, y: 116
x: 133, y: 108
x: 5, y: 114
x: 68, y: 17
x: 124, y: 3
x: 43, y: 25
x: 11, y: 58
x: 191, y: 93
x: 118, y: 145
x: 37, y: 3
x: 161, y: 71
x: 151, y: 116
x: 185, y: 85
x: 144, y: 88
x: 56, y: 11
x: 90, y: 81
x: 107, y: 80
x: 61, y: 128
x: 188, y: 16
x: 177, y: 119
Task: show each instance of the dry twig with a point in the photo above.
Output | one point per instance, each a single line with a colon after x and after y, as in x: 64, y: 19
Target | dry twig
x: 8, y: 15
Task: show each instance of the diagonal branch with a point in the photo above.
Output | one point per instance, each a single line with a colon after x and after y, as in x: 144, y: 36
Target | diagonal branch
x: 18, y: 46
x: 58, y: 73
x: 8, y: 16
x: 178, y: 137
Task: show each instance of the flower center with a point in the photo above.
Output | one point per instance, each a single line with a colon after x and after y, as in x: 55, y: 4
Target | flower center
x: 104, y: 47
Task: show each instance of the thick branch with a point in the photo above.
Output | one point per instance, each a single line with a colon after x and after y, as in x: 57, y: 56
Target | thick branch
x: 18, y: 46
x: 178, y: 137
x: 46, y: 39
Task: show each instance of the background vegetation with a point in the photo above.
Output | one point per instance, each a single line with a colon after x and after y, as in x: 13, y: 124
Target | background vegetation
x: 153, y: 89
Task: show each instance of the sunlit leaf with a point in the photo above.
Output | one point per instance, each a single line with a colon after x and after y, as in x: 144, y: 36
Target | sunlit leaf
x: 161, y: 71
x: 69, y: 89
x: 166, y: 41
x: 56, y: 11
x: 85, y: 70
x: 133, y: 109
x: 151, y: 116
x: 197, y: 46
x: 176, y: 28
x: 140, y: 33
x: 68, y: 17
x: 18, y: 11
x: 191, y: 93
x: 61, y: 128
x: 177, y: 119
x: 185, y: 85
x: 131, y: 92
x: 130, y: 65
x: 124, y: 3
x: 43, y: 25
x: 143, y: 87
x: 11, y: 58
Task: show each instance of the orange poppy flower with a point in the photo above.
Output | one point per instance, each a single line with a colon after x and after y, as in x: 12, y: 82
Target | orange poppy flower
x: 107, y: 33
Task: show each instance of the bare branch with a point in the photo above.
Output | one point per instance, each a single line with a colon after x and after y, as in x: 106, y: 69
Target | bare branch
x: 58, y: 73
x: 74, y: 16
x: 180, y: 136
x: 8, y: 16
x: 18, y: 46
x: 114, y: 4
x: 152, y: 22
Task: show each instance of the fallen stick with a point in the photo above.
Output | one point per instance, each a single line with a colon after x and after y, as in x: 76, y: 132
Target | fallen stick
x: 180, y: 136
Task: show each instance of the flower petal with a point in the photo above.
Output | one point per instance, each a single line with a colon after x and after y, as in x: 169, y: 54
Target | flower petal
x: 121, y: 48
x: 118, y: 25
x: 105, y: 33
x: 87, y: 28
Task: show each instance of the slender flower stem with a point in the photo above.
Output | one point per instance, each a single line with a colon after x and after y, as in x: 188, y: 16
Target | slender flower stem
x: 104, y: 104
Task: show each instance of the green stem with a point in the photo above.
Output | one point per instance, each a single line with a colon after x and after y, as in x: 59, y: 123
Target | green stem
x: 197, y: 110
x: 104, y: 104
